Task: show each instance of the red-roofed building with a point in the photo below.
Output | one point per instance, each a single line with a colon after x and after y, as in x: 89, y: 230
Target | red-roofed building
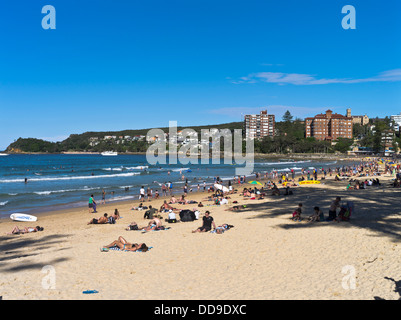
x: 329, y: 126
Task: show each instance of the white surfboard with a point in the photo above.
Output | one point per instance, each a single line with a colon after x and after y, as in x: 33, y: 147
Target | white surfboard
x: 23, y: 217
x: 221, y: 187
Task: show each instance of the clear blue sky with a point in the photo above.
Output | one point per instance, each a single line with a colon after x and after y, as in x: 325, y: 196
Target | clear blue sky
x: 128, y: 64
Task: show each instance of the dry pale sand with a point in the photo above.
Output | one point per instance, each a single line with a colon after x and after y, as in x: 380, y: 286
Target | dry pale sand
x: 265, y: 256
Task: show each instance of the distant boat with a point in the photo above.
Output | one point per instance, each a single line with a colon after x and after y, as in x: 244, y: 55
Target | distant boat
x: 109, y: 153
x: 3, y: 154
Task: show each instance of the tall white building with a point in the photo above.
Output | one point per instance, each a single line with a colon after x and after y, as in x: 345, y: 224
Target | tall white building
x: 397, y: 120
x: 260, y: 125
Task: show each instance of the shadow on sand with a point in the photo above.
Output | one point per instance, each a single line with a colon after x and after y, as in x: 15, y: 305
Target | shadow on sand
x: 17, y: 246
x: 374, y: 208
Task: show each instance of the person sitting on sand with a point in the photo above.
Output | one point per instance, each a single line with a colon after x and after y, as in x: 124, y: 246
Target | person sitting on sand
x: 173, y: 200
x: 116, y: 214
x: 123, y: 244
x: 207, y: 223
x: 149, y: 214
x: 333, y: 209
x: 165, y: 207
x: 296, y: 216
x: 16, y: 230
x: 182, y: 200
x: 316, y: 215
x: 154, y: 224
x: 275, y: 190
x: 101, y: 220
x: 171, y: 217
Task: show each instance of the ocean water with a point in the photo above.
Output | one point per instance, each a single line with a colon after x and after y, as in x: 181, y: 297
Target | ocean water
x: 63, y: 181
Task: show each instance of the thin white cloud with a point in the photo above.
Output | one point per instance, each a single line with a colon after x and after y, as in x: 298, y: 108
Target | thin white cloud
x: 307, y: 79
x: 271, y: 64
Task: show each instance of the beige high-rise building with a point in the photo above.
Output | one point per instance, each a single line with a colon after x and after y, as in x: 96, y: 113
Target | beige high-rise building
x: 260, y: 125
x: 329, y: 126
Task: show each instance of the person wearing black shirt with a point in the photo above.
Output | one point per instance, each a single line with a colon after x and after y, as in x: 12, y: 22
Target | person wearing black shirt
x: 207, y: 223
x: 150, y: 213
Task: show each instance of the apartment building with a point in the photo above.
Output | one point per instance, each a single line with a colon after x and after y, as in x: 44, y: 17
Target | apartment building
x: 329, y: 126
x: 397, y: 121
x: 260, y: 125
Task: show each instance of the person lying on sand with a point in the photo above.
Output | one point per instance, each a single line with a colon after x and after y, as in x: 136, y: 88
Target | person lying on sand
x: 222, y: 228
x: 141, y: 207
x: 123, y: 244
x: 236, y: 208
x: 154, y: 224
x: 16, y: 230
x: 101, y: 220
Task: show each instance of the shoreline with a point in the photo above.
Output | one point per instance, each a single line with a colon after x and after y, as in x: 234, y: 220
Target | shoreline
x: 280, y: 258
x: 45, y: 210
x: 256, y: 155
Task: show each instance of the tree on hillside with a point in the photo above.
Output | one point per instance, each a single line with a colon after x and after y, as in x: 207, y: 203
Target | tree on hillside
x: 287, y: 117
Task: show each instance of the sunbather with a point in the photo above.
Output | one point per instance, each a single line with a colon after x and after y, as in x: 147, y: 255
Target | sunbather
x: 122, y: 244
x: 101, y: 220
x: 17, y: 230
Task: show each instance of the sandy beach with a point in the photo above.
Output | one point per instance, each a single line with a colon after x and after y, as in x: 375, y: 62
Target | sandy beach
x: 265, y: 256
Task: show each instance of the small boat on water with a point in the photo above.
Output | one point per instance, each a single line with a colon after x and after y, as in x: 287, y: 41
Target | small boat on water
x: 3, y: 154
x: 109, y: 153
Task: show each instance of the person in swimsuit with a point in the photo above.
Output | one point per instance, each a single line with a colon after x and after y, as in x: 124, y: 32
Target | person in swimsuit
x: 16, y: 230
x: 166, y: 207
x: 123, y: 244
x: 101, y: 220
x: 154, y: 224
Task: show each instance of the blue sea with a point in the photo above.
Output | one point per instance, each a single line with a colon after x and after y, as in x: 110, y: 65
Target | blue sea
x: 60, y: 181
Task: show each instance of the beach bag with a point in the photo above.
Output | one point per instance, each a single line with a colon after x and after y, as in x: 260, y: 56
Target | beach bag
x: 111, y: 220
x: 187, y: 215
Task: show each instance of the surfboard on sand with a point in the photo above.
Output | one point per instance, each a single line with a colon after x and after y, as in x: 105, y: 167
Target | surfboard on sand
x: 309, y: 182
x: 23, y: 217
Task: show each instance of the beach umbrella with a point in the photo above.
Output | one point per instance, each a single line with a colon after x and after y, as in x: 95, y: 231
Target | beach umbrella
x: 255, y: 182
